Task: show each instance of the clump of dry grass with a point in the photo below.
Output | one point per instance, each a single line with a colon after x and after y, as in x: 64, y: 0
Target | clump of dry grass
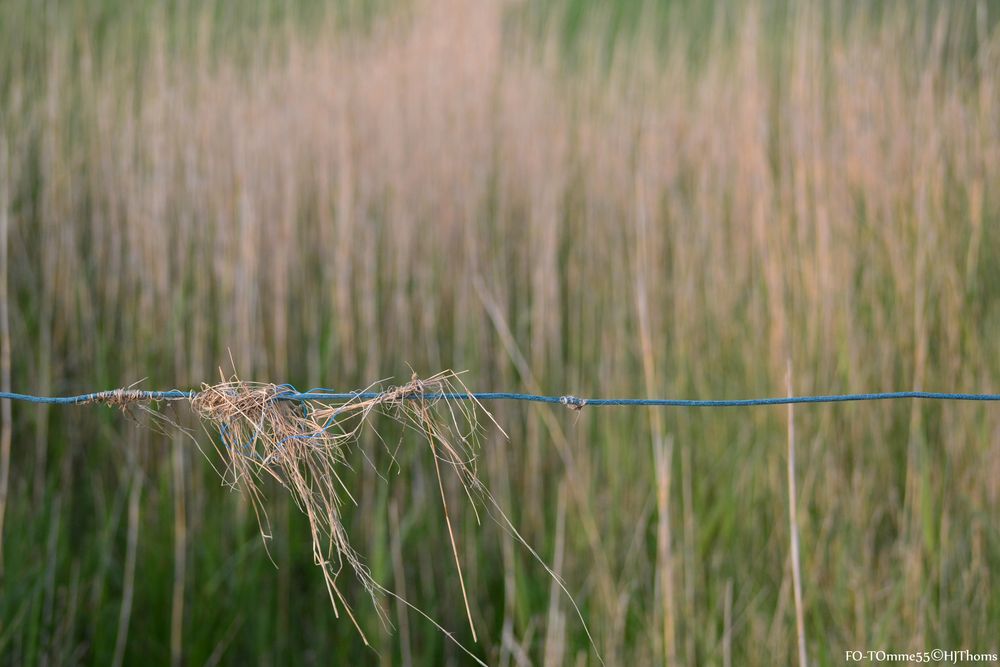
x: 270, y: 431
x: 302, y: 444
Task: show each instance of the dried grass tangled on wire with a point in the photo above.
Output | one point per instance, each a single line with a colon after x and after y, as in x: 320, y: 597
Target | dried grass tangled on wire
x: 272, y: 431
x: 303, y: 444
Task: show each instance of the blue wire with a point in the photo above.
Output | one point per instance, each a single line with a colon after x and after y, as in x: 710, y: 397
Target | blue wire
x: 570, y: 401
x: 172, y: 395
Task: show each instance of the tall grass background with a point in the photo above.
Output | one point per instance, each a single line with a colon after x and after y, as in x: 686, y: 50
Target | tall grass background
x: 668, y: 201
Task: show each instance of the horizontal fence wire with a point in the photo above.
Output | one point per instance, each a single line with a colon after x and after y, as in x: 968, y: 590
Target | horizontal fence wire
x: 567, y: 400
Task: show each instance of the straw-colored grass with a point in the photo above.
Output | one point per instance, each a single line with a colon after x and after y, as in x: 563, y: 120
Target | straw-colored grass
x: 302, y: 445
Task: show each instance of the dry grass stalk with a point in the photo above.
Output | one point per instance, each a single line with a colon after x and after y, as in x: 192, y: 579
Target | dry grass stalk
x: 793, y: 524
x: 6, y: 420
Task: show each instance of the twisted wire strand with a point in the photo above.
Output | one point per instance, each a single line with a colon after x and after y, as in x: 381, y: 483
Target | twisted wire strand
x: 123, y: 396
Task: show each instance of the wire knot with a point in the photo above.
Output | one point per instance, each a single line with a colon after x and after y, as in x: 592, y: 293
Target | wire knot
x: 120, y: 398
x: 572, y: 402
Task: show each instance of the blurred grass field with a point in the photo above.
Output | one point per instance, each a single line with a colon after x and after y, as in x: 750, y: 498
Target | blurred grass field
x: 650, y: 200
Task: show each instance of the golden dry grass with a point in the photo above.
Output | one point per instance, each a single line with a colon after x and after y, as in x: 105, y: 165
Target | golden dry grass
x: 303, y: 446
